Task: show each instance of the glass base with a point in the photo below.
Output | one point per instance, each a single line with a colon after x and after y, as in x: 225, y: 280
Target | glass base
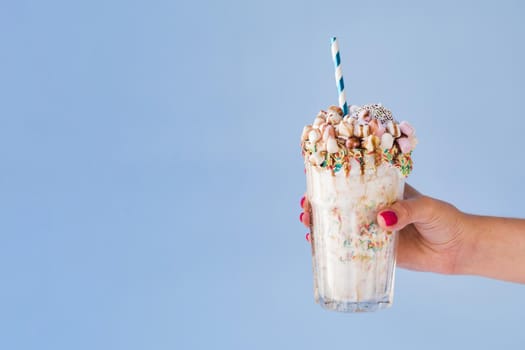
x: 354, y: 306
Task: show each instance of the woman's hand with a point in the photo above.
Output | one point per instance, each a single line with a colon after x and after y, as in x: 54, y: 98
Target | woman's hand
x: 431, y: 236
x: 431, y: 233
x: 434, y: 236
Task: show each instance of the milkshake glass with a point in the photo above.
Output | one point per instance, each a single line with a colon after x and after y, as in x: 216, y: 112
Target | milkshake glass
x: 355, y: 166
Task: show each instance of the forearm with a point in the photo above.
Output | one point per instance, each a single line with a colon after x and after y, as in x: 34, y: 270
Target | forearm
x: 493, y: 247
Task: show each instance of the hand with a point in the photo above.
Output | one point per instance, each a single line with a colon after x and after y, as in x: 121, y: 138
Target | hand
x: 431, y: 233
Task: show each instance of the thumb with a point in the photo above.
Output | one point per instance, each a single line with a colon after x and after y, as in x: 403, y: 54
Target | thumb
x: 405, y: 212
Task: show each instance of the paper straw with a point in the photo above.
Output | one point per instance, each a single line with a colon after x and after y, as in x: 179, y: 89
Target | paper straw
x: 339, y: 76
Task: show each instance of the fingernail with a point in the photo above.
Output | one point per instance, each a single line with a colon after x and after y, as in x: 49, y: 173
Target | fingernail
x: 390, y: 217
x: 301, y: 217
x: 308, y: 238
x: 306, y: 218
x: 302, y: 202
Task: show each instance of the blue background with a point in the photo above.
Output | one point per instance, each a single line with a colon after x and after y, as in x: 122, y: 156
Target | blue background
x: 150, y: 168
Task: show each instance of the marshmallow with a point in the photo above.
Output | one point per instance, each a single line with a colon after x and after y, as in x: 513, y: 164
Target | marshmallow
x: 366, y: 130
x: 331, y: 145
x: 314, y: 136
x: 376, y: 128
x: 393, y: 128
x: 404, y: 144
x: 358, y: 130
x: 413, y: 141
x: 374, y: 125
x: 406, y: 128
x: 369, y: 143
x: 387, y: 141
x: 380, y: 130
x: 364, y: 115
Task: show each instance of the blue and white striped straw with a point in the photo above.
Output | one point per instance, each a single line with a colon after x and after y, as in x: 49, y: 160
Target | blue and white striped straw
x: 339, y: 76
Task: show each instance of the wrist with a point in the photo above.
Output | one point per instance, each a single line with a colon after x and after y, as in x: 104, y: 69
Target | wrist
x: 467, y: 247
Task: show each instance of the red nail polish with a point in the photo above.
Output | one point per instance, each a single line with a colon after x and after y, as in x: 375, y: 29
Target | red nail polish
x: 308, y: 238
x: 390, y: 217
x: 301, y: 217
x: 302, y: 202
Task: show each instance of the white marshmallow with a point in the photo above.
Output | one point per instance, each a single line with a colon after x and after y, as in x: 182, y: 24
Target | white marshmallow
x: 387, y: 141
x: 366, y: 130
x: 393, y: 129
x: 358, y: 130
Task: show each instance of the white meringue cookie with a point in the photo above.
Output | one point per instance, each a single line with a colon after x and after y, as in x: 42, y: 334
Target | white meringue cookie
x: 345, y: 129
x: 316, y: 158
x: 334, y: 118
x: 335, y: 109
x: 353, y: 109
x: 318, y: 121
x: 314, y: 135
x: 328, y: 132
x: 306, y: 131
x: 331, y: 145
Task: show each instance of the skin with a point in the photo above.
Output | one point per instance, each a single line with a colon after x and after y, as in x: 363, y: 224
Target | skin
x: 434, y: 236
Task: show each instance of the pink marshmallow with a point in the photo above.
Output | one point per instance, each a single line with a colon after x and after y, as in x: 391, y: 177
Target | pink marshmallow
x: 406, y: 128
x: 404, y: 144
